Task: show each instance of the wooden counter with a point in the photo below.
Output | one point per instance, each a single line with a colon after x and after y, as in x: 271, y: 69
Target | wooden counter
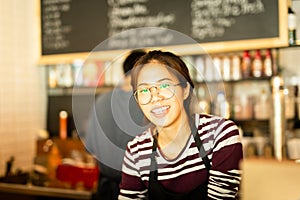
x: 270, y: 179
x: 30, y: 192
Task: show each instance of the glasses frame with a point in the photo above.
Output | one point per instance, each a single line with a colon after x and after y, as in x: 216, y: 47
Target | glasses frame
x: 154, y: 86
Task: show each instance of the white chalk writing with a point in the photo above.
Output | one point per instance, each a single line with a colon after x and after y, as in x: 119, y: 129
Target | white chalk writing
x: 211, y: 18
x: 54, y: 30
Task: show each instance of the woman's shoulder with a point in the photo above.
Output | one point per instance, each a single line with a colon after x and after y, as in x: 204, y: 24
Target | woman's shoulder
x: 141, y: 141
x: 212, y: 126
x: 217, y: 132
x: 203, y: 119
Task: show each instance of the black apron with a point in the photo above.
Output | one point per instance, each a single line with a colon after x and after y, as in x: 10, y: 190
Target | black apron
x: 157, y: 192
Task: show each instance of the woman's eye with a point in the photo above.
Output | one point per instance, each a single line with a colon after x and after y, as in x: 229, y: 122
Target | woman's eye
x: 164, y: 86
x: 144, y: 90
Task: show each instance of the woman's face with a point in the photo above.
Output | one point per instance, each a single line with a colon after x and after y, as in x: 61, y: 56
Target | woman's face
x: 164, y: 109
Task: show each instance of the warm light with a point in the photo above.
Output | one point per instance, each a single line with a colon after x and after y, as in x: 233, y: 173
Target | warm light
x: 63, y: 115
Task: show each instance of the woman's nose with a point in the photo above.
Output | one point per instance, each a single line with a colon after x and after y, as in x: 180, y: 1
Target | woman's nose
x: 155, y: 95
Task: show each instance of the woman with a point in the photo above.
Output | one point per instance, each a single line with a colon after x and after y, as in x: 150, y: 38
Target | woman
x: 183, y: 155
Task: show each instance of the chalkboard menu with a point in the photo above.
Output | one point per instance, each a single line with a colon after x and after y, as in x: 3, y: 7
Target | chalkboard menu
x: 75, y: 26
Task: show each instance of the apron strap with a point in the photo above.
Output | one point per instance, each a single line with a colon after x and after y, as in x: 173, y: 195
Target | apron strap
x: 199, y: 143
x: 201, y: 149
x: 153, y: 165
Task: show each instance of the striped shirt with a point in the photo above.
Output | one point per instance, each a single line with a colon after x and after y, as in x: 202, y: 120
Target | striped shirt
x: 187, y: 171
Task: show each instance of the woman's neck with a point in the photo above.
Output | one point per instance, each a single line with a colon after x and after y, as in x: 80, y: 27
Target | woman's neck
x: 172, y: 139
x: 168, y: 134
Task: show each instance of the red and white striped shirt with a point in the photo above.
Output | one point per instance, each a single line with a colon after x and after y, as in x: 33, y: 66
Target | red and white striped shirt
x: 222, y: 143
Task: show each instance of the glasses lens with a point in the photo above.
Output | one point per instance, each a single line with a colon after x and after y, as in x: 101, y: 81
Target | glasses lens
x: 164, y: 90
x: 143, y: 95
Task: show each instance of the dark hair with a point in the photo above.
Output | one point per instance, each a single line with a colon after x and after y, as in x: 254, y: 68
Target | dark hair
x: 170, y: 60
x: 131, y: 59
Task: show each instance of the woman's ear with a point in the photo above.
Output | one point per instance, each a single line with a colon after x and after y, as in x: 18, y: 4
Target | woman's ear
x: 186, y: 91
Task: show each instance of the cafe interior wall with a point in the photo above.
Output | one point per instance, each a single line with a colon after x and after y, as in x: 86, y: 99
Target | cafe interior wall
x: 289, y: 61
x: 22, y: 93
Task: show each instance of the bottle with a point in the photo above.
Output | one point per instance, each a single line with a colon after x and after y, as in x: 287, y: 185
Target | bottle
x: 203, y: 104
x: 209, y: 69
x: 54, y: 159
x: 268, y: 151
x: 262, y: 106
x: 68, y: 79
x: 251, y: 150
x: 268, y: 64
x: 199, y: 64
x: 52, y: 77
x: 257, y: 65
x: 292, y: 24
x: 236, y: 67
x: 218, y: 75
x: 221, y: 107
x: 242, y: 107
x: 246, y: 64
x: 226, y: 68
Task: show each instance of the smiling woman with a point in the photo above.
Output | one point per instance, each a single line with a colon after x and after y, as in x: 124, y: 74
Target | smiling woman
x: 174, y: 159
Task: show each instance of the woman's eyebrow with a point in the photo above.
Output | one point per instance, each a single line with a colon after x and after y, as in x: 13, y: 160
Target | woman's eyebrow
x: 160, y: 80
x: 164, y: 79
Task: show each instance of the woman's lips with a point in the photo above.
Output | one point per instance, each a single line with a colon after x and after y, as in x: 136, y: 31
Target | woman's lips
x: 160, y: 111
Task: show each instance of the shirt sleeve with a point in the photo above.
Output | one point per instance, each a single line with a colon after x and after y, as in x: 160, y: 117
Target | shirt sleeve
x: 225, y: 174
x: 131, y: 186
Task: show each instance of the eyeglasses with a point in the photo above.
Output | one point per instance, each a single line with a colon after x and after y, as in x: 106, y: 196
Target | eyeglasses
x: 144, y: 95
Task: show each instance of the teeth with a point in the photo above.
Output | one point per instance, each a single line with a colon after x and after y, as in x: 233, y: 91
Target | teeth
x: 160, y: 110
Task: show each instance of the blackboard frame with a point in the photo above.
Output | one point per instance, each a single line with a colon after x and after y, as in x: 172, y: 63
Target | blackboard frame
x: 188, y: 49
